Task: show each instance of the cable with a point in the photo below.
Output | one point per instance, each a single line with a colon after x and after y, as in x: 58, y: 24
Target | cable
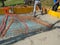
x: 55, y: 23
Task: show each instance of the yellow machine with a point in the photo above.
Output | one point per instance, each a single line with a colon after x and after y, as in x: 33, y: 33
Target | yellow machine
x: 55, y: 13
x: 59, y: 8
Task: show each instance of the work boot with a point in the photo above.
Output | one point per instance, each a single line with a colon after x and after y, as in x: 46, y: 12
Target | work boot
x: 35, y: 15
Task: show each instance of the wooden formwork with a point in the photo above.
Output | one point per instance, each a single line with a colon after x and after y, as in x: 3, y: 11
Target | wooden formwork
x: 20, y: 9
x: 1, y: 11
x: 23, y: 10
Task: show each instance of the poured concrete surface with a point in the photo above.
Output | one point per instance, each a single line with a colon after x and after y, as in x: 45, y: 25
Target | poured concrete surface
x: 46, y: 38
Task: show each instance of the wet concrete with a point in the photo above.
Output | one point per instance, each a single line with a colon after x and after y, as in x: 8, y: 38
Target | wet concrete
x: 51, y: 37
x: 15, y: 30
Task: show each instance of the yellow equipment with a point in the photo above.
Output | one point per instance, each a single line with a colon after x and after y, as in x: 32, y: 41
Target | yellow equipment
x: 54, y: 13
x: 59, y: 8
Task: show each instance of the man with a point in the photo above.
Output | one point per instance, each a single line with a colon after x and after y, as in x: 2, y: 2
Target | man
x: 37, y: 3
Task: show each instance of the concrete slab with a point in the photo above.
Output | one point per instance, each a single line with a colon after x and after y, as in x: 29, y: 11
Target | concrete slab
x: 46, y: 38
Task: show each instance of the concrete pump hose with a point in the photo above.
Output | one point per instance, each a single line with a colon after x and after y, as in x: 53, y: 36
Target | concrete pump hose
x: 6, y: 29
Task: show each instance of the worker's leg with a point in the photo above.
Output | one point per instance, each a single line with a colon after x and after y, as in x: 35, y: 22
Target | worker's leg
x: 40, y: 7
x: 55, y: 6
x: 35, y: 5
x: 30, y: 2
x: 26, y: 2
